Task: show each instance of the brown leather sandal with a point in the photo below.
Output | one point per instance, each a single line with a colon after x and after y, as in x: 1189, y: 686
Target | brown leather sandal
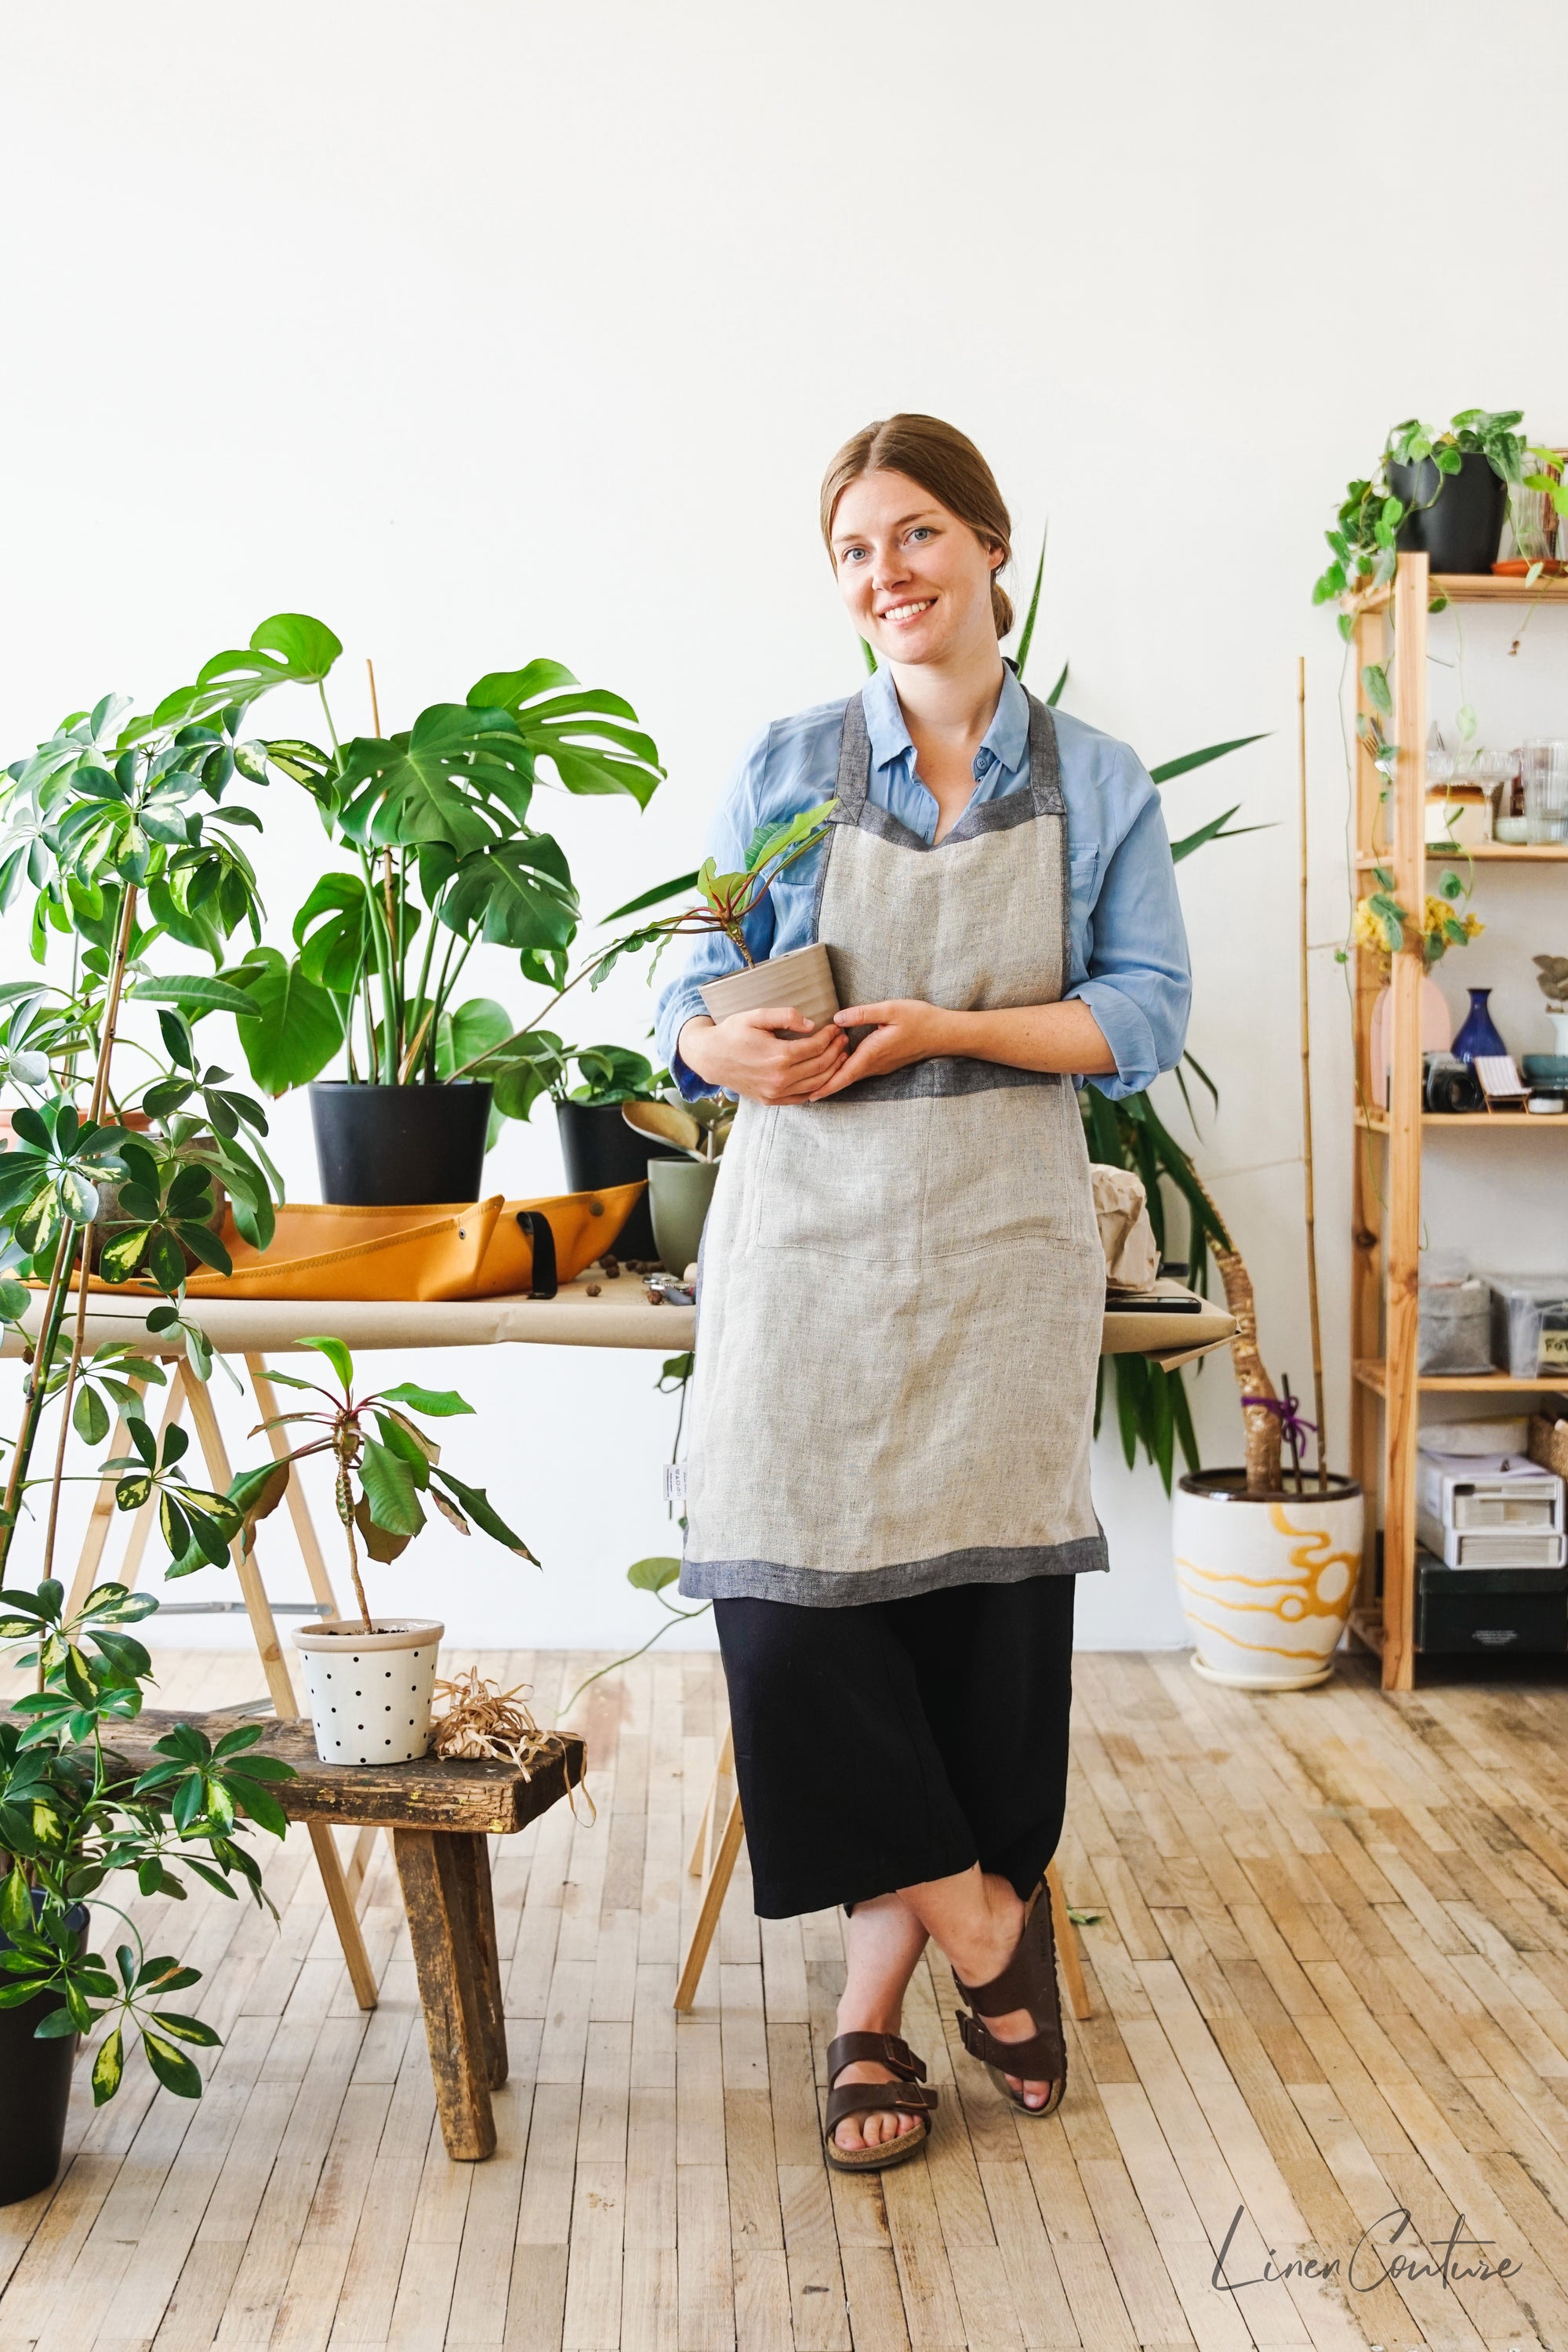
x: 1028, y: 1981
x: 908, y: 2096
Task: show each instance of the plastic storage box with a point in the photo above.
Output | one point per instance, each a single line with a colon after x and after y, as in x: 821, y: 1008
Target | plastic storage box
x: 1529, y: 1325
x: 1490, y: 1613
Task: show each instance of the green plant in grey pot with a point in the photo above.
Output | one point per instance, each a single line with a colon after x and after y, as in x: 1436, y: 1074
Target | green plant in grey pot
x: 680, y: 1187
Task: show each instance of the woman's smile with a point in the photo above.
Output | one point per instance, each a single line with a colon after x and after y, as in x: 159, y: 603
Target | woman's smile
x: 900, y: 614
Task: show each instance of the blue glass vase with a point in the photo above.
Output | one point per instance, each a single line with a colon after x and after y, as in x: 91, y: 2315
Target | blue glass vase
x: 1478, y: 1031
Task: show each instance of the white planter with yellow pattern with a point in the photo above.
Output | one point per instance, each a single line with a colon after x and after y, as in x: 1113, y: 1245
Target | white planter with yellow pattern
x: 1266, y: 1582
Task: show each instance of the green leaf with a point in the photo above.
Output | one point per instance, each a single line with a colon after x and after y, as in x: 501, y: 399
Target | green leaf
x: 390, y: 1490
x: 108, y: 2068
x: 475, y: 1503
x: 338, y: 1356
x: 298, y: 1027
x: 15, y: 1906
x: 288, y: 648
x: 186, y: 2029
x: 1027, y: 633
x: 431, y: 1401
x: 683, y: 886
x: 89, y: 1416
x: 1054, y: 695
x: 1190, y: 759
x: 195, y: 991
x: 577, y: 731
x: 1375, y: 680
x: 515, y: 894
x: 440, y: 783
x: 173, y: 2069
x: 653, y: 1575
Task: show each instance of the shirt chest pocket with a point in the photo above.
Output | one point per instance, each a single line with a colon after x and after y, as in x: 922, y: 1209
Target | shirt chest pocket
x: 1083, y: 888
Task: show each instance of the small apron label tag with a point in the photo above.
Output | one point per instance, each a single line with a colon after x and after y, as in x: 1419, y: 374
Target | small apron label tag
x: 674, y: 1482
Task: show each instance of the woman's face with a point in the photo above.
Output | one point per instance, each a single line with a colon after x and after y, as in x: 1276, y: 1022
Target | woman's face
x: 916, y: 579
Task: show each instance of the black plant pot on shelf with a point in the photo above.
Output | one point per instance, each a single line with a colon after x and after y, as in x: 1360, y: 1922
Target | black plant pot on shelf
x: 399, y: 1146
x: 35, y: 2092
x: 1458, y: 524
x: 600, y: 1149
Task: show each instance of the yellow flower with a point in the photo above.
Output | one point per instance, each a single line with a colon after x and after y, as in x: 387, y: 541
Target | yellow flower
x: 1366, y: 930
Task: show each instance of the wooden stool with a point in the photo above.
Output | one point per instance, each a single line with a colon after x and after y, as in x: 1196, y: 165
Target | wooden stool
x: 440, y: 1815
x: 717, y: 1851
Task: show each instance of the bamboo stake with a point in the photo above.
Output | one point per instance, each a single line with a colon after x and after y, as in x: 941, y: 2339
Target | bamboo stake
x: 1316, y: 1330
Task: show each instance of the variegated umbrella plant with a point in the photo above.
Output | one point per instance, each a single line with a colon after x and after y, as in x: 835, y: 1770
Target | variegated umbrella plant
x: 72, y: 1816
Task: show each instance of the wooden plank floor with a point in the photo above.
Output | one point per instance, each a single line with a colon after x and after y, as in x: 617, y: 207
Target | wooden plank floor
x: 1330, y: 1970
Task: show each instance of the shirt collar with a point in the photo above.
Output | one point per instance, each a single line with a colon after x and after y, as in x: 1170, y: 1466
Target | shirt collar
x: 1007, y: 739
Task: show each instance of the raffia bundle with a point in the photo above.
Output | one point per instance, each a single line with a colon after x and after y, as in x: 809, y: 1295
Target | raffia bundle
x: 474, y: 1717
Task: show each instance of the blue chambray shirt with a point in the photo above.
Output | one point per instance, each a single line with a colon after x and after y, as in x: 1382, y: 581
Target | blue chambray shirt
x: 1129, y: 959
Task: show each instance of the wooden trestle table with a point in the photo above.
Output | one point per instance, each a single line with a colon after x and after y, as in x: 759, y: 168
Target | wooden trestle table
x: 620, y: 1315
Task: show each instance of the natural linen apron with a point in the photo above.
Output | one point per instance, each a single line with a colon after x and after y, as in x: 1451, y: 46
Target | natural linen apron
x: 902, y: 1287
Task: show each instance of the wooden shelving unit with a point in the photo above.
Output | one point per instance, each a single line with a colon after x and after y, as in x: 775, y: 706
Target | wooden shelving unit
x: 1386, y: 1201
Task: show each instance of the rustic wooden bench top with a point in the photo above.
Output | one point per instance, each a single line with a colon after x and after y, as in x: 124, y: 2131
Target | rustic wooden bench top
x: 440, y: 1815
x: 477, y: 1797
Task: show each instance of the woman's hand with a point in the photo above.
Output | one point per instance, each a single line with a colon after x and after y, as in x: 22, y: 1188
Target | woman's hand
x: 744, y: 1056
x: 902, y: 1031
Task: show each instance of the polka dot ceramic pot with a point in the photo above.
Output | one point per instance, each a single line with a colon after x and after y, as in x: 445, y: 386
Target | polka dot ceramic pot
x: 370, y: 1692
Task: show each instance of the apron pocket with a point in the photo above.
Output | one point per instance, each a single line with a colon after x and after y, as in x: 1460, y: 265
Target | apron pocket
x: 846, y: 1180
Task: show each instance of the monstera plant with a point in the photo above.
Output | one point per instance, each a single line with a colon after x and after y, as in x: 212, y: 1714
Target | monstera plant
x: 440, y: 856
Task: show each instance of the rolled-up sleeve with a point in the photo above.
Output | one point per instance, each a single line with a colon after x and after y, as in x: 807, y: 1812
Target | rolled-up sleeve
x: 1137, y: 977
x: 710, y: 955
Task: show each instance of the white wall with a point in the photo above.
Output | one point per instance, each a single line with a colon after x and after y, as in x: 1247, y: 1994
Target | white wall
x: 490, y: 329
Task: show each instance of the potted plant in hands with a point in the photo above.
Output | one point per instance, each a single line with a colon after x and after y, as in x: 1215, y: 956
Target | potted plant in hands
x: 802, y: 978
x: 445, y: 858
x: 70, y: 1817
x: 370, y: 1682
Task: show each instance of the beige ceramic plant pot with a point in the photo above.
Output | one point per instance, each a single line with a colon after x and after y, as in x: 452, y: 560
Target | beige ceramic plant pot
x: 370, y: 1692
x: 803, y: 978
x: 1266, y: 1582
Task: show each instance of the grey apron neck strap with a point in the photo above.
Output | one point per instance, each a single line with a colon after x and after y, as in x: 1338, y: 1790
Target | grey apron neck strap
x: 854, y: 763
x: 1044, y: 761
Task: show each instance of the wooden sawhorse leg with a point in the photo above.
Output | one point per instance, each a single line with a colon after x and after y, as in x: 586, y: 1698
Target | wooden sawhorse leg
x: 718, y: 1849
x: 446, y: 1877
x: 274, y: 1665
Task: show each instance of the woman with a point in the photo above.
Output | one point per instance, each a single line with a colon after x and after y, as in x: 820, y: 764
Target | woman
x: 887, y: 1495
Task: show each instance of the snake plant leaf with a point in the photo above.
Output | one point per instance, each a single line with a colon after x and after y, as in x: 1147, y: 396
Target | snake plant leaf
x: 578, y: 730
x: 1213, y: 831
x: 438, y: 782
x: 1191, y: 760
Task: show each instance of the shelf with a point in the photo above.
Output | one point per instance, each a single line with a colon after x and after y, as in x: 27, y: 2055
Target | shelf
x: 1366, y: 1624
x: 1484, y: 852
x: 1472, y: 588
x: 1370, y: 1373
x: 1376, y: 1121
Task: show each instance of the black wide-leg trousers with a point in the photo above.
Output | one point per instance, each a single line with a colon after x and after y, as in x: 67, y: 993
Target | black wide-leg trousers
x: 889, y: 1742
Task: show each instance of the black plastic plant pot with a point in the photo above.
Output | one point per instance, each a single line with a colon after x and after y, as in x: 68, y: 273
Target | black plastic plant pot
x: 399, y: 1146
x: 1461, y: 528
x: 34, y: 2093
x: 600, y: 1149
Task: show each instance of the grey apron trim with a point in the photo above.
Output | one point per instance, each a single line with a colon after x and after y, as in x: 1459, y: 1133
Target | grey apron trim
x: 813, y: 1588
x: 952, y: 1074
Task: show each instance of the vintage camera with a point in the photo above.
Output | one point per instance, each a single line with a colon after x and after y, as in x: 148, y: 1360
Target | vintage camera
x: 1450, y: 1085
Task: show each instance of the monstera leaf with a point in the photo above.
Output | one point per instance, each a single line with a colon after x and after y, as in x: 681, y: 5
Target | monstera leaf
x: 288, y: 649
x: 461, y: 776
x: 578, y: 731
x: 517, y: 895
x: 295, y: 1027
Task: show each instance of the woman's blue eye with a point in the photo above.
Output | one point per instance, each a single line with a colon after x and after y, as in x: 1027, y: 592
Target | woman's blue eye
x: 920, y: 530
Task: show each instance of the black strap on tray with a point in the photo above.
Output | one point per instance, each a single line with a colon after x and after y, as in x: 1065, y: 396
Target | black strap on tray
x: 536, y: 1225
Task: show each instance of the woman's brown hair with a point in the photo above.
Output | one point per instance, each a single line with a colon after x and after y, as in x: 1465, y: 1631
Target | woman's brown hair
x: 947, y: 465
